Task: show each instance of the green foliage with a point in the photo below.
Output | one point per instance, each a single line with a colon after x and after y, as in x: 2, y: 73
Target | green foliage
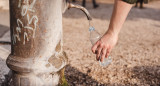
x: 64, y: 82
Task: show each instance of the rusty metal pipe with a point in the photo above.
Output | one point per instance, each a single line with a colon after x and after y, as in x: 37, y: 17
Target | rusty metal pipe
x: 81, y: 8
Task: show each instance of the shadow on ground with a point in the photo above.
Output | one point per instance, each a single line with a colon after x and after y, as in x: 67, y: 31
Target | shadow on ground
x: 76, y: 78
x: 3, y: 67
x: 147, y: 74
x: 105, y: 10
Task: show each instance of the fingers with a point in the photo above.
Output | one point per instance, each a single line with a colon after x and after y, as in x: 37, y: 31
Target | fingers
x: 98, y: 54
x: 94, y: 47
x: 104, y: 50
x: 97, y: 58
x: 101, y: 50
x: 108, y: 52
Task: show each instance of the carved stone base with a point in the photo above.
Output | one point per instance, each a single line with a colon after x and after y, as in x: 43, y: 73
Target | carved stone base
x: 23, y: 74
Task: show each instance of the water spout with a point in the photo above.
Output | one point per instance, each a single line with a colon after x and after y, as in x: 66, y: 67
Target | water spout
x: 81, y: 8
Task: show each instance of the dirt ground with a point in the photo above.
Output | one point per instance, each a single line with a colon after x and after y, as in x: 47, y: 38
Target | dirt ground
x: 136, y: 57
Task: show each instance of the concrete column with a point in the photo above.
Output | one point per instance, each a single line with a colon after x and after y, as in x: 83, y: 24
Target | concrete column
x: 37, y: 56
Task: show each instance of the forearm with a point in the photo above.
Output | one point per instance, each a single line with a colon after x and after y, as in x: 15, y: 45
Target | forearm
x: 120, y: 12
x: 105, y: 44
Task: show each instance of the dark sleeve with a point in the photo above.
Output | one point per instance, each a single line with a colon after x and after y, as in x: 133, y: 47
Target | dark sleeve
x: 130, y: 1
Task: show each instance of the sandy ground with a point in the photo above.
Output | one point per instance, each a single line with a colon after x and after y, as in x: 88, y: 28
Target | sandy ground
x: 136, y: 57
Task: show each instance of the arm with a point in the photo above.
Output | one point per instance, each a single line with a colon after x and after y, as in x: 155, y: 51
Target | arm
x: 104, y: 46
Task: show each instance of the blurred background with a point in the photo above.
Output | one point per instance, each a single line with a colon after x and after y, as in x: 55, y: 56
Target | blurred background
x: 136, y: 57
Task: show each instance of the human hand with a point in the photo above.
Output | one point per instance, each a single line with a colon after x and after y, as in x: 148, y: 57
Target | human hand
x: 104, y: 45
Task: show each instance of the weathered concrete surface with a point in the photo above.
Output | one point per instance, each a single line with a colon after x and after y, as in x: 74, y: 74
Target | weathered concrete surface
x: 36, y: 29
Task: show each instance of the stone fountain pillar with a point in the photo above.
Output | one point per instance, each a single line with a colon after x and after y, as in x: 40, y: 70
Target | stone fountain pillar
x: 37, y: 57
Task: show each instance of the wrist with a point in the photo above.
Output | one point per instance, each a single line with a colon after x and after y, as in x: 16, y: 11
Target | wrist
x: 113, y: 32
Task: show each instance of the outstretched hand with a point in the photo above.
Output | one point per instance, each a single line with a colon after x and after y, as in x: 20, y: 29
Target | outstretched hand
x: 104, y: 45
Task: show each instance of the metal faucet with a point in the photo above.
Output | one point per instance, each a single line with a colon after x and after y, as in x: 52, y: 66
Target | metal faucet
x: 67, y: 5
x: 81, y: 8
